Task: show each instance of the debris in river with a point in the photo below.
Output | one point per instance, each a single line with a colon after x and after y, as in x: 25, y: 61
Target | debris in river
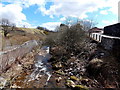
x: 74, y: 78
x: 81, y: 87
x: 70, y: 83
x: 60, y: 72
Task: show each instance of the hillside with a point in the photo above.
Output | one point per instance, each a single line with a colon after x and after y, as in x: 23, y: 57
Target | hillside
x: 32, y: 30
x: 19, y: 35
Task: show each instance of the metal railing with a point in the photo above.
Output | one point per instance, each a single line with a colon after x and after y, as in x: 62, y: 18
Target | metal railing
x: 98, y: 36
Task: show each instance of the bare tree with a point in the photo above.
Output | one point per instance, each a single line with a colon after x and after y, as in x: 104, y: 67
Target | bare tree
x: 87, y: 24
x: 13, y: 26
x: 69, y: 38
x: 6, y: 24
x: 57, y: 28
x: 70, y: 21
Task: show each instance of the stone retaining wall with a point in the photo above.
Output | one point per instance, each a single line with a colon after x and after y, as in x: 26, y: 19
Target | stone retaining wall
x: 7, y: 58
x: 107, y: 43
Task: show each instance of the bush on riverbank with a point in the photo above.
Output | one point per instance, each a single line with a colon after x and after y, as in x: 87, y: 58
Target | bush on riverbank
x: 67, y: 42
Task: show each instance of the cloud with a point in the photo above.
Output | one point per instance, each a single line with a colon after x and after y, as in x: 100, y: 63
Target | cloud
x: 104, y: 12
x: 106, y: 22
x: 79, y: 8
x: 74, y: 8
x: 13, y: 13
x: 65, y: 8
x: 26, y: 3
x: 51, y: 25
x: 13, y: 10
x: 24, y: 23
x: 63, y: 19
x: 113, y: 4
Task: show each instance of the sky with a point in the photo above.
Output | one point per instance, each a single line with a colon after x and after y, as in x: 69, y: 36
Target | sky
x: 51, y: 13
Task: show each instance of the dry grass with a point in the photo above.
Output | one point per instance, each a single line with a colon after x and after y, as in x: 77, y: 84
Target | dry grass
x: 20, y: 35
x: 32, y: 30
x: 18, y: 39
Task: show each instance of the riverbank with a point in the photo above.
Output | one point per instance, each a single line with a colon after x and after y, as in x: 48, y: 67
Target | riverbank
x: 39, y: 69
x: 34, y: 71
x: 93, y: 67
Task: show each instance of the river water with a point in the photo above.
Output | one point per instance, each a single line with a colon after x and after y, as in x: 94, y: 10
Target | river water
x: 42, y: 67
x: 40, y: 74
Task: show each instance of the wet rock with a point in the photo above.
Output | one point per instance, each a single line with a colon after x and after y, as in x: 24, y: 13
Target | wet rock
x: 96, y: 63
x: 3, y: 82
x: 94, y: 66
x: 81, y: 87
x: 28, y: 60
x: 12, y: 72
x: 60, y: 72
x: 70, y: 83
x: 58, y: 79
x: 57, y: 65
x: 88, y: 82
x: 85, y: 81
x: 72, y: 59
x: 74, y: 78
x: 15, y: 86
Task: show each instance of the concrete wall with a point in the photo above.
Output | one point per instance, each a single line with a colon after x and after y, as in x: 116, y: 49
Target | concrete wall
x: 7, y: 58
x: 119, y: 11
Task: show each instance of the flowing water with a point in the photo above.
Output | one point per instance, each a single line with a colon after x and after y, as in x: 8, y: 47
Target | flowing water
x: 39, y: 75
x: 42, y: 67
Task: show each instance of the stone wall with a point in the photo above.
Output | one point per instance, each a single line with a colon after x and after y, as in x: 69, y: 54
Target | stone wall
x: 107, y: 43
x: 111, y: 43
x: 7, y: 58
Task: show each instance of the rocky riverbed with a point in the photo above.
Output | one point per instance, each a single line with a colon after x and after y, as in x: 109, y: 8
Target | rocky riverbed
x: 94, y: 67
x: 90, y: 69
x: 32, y: 71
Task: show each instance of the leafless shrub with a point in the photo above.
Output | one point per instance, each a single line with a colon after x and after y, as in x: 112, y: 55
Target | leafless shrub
x: 71, y: 39
x: 7, y: 26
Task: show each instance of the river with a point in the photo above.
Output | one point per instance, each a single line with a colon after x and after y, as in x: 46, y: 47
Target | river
x: 38, y: 76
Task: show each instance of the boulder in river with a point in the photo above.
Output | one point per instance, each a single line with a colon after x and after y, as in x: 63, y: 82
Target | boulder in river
x: 94, y: 66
